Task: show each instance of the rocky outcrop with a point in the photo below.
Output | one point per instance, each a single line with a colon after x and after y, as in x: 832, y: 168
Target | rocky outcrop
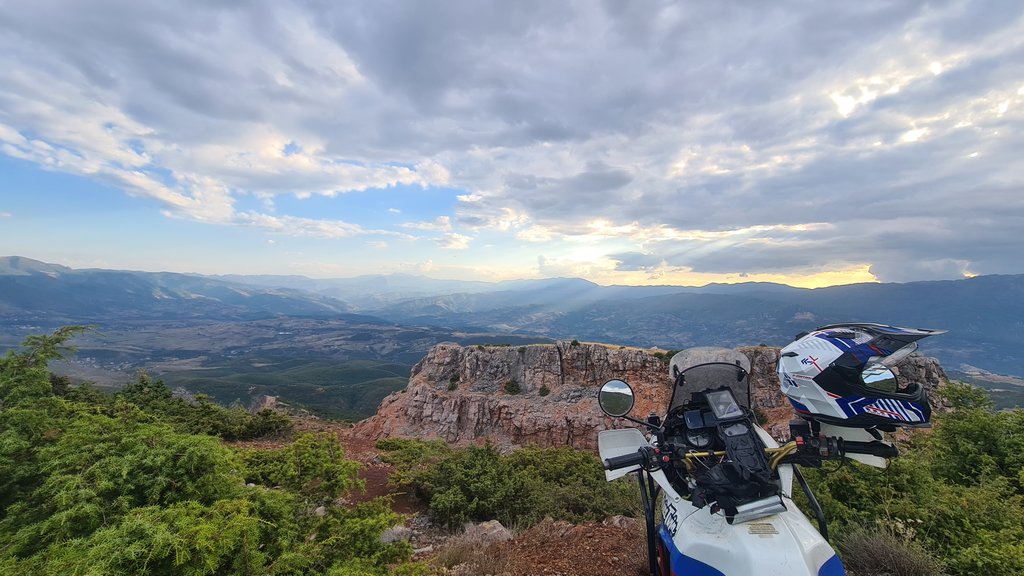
x: 547, y: 394
x: 262, y: 402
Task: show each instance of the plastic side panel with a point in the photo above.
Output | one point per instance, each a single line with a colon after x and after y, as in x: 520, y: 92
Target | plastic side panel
x: 832, y: 568
x: 611, y: 443
x: 683, y: 565
x: 765, y: 437
x: 781, y: 544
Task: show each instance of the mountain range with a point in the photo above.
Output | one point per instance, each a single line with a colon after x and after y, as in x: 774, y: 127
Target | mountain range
x: 984, y: 315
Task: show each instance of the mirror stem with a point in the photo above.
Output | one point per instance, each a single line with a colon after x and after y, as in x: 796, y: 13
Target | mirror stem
x: 648, y: 425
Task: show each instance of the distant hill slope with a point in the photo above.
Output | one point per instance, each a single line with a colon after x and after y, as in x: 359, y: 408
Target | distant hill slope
x: 984, y: 315
x: 36, y: 290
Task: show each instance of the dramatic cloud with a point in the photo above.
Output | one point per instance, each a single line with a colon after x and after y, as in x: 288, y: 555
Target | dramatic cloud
x: 632, y: 138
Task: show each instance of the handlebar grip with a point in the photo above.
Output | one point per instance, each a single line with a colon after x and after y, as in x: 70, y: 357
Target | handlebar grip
x: 617, y: 462
x: 871, y: 448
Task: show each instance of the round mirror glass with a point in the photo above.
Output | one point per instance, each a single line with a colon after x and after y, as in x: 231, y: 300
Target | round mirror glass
x: 615, y: 398
x: 879, y: 377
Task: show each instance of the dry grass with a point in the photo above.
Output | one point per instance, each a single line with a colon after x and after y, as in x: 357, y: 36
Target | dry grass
x: 878, y: 553
x: 471, y: 554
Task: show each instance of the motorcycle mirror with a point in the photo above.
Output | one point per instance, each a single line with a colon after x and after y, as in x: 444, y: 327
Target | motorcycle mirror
x: 615, y: 398
x: 880, y: 377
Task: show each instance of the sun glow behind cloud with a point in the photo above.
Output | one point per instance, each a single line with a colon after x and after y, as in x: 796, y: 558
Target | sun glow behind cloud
x: 851, y: 275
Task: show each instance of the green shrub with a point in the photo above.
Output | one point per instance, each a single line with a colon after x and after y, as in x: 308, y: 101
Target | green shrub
x: 521, y: 488
x: 512, y: 386
x: 411, y: 460
x: 544, y: 390
x: 666, y: 356
x: 956, y: 492
x: 97, y: 485
x: 313, y: 465
x: 202, y: 416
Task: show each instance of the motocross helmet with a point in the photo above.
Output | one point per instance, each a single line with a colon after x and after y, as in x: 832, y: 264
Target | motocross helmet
x: 841, y: 374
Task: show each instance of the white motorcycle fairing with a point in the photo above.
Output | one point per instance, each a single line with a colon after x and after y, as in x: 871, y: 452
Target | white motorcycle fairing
x: 695, y: 542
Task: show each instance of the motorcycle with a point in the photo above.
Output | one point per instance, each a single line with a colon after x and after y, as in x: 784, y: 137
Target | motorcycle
x: 723, y: 485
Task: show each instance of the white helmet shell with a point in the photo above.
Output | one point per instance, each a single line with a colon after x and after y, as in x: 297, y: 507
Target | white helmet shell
x: 840, y: 374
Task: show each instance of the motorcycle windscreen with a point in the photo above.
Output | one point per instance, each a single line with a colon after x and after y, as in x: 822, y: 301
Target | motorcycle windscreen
x: 706, y: 368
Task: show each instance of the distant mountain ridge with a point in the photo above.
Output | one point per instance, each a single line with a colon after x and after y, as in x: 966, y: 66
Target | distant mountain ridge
x: 37, y: 290
x: 984, y: 315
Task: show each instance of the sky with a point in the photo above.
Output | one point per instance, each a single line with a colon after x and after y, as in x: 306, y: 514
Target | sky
x: 649, y: 142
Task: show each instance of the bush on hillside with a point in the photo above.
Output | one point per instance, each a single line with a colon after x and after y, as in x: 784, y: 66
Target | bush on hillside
x: 202, y: 416
x: 957, y: 490
x: 313, y: 465
x: 97, y: 485
x: 521, y: 488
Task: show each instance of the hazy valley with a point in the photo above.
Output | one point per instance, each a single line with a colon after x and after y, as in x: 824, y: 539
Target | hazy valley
x: 339, y: 346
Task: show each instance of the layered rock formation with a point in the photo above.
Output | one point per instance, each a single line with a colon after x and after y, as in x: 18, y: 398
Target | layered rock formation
x: 547, y: 394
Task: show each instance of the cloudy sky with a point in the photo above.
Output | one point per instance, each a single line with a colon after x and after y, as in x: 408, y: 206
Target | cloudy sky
x: 811, y: 143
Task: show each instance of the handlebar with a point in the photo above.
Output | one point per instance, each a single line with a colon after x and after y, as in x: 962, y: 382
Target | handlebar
x: 871, y: 448
x: 801, y: 451
x: 638, y: 458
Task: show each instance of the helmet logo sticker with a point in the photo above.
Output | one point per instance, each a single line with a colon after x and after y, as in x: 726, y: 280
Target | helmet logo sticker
x: 810, y: 360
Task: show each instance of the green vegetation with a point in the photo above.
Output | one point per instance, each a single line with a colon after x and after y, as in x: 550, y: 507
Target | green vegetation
x: 956, y: 493
x: 666, y: 356
x: 94, y: 484
x: 349, y: 390
x: 616, y: 402
x: 518, y: 489
x: 143, y: 482
x: 1006, y: 392
x: 200, y: 417
x: 512, y: 386
x: 544, y: 390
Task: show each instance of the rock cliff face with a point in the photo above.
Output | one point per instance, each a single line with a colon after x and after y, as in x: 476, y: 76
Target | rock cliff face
x: 547, y: 394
